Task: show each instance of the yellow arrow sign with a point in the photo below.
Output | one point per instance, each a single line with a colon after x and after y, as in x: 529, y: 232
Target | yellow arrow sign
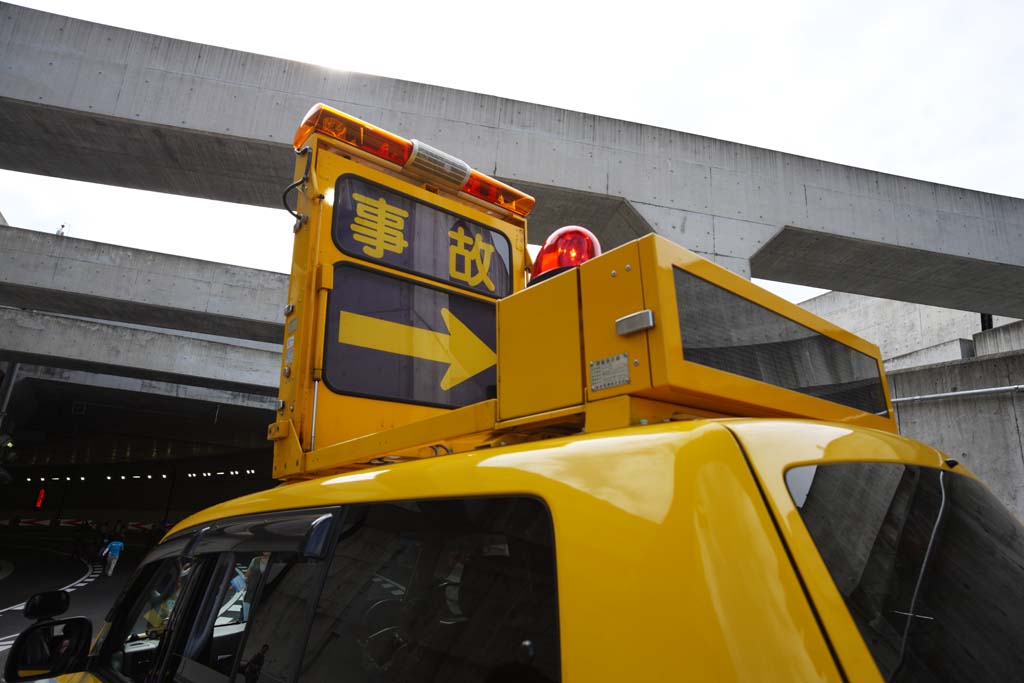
x: 465, y: 354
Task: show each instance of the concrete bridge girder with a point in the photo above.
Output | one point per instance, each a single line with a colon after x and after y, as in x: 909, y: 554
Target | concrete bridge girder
x: 45, y: 272
x: 106, y: 348
x: 138, y: 385
x: 109, y: 105
x: 853, y: 265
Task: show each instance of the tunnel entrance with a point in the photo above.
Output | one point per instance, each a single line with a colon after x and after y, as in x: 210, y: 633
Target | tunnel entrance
x: 91, y: 449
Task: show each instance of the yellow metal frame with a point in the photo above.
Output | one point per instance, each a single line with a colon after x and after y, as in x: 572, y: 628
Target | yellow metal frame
x: 548, y: 336
x: 680, y: 381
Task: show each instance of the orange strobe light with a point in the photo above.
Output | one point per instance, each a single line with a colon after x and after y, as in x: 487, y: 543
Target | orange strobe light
x: 397, y: 150
x: 498, y: 193
x: 355, y: 132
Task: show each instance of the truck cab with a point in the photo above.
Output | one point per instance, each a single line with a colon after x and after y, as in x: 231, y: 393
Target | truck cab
x: 638, y: 466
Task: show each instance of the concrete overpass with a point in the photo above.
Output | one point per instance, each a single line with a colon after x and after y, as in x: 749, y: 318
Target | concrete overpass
x: 97, y: 383
x: 129, y: 356
x: 176, y: 358
x: 55, y: 274
x: 63, y: 342
x: 91, y: 102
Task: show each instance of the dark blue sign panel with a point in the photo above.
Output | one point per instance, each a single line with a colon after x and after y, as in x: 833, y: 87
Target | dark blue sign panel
x: 725, y: 331
x: 377, y: 224
x: 393, y: 339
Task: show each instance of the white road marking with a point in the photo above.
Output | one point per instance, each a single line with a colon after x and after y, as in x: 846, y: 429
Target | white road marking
x: 92, y: 570
x: 7, y: 642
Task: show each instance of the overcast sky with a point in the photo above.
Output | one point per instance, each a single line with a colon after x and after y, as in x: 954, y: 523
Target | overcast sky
x: 931, y: 90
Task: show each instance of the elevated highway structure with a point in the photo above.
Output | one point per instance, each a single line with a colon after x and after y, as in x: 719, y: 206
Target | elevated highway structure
x: 121, y: 359
x: 179, y: 355
x: 91, y: 102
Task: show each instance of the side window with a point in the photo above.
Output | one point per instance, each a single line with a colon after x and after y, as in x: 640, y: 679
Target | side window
x: 446, y: 590
x: 279, y: 619
x: 216, y: 634
x: 251, y: 621
x: 135, y: 652
x: 929, y: 563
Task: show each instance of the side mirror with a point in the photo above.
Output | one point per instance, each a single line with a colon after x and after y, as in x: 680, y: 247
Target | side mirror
x: 47, y: 605
x: 49, y: 649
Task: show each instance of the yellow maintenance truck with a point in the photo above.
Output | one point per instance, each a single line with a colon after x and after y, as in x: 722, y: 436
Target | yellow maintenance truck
x: 585, y: 466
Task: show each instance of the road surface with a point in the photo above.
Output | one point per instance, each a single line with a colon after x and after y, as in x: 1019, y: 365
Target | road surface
x: 31, y: 563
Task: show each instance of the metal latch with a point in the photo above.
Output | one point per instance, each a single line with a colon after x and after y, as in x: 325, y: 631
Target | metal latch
x: 634, y: 322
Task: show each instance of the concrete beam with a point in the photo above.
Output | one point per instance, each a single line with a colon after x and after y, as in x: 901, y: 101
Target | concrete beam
x: 147, y: 386
x: 901, y: 330
x: 44, y: 272
x: 105, y: 348
x: 1000, y: 339
x: 952, y: 350
x: 108, y: 105
x: 903, y: 273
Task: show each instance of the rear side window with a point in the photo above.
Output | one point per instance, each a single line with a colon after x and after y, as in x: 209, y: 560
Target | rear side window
x: 261, y: 600
x: 444, y: 590
x: 279, y: 618
x: 220, y: 623
x: 930, y: 564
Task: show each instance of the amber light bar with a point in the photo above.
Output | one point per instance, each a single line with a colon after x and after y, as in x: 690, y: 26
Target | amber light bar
x: 498, y: 193
x: 355, y: 132
x: 397, y: 150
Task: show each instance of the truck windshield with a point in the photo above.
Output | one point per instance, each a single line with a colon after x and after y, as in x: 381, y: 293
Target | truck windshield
x: 930, y: 564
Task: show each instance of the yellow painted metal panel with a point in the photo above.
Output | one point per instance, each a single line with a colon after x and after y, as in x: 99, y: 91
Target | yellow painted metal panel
x: 610, y: 288
x: 341, y: 418
x: 408, y: 438
x: 344, y: 417
x: 627, y: 411
x: 675, y: 379
x: 669, y: 566
x: 539, y: 348
x: 775, y: 446
x: 573, y: 415
x: 296, y: 389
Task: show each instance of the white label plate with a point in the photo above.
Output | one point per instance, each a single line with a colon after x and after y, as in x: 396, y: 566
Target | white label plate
x: 609, y: 372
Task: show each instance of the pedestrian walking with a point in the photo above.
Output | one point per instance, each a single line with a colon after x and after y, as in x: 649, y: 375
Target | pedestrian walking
x: 112, y: 552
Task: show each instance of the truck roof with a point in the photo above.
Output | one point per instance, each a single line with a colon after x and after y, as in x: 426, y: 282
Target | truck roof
x: 609, y: 465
